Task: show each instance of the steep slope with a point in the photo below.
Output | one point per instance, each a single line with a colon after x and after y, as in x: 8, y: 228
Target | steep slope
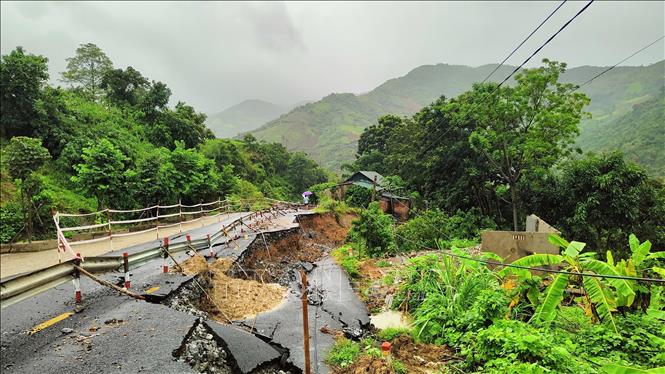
x: 243, y: 117
x: 328, y: 129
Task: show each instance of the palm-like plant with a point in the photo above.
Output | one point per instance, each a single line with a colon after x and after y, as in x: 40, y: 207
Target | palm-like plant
x: 601, y: 296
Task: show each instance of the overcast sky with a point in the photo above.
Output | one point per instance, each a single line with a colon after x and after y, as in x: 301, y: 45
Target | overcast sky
x: 214, y: 55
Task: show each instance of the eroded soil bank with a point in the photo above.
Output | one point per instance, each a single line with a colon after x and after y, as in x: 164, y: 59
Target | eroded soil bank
x: 263, y: 278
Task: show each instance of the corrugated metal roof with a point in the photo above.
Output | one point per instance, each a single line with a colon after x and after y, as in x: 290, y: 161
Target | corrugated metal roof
x: 371, y: 175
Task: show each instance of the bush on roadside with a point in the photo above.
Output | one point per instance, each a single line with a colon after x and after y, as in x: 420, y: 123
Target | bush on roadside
x: 373, y: 229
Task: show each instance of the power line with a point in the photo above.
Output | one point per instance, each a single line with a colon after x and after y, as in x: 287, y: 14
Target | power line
x: 524, y: 41
x: 545, y: 270
x: 429, y: 147
x: 547, y: 41
x: 620, y: 62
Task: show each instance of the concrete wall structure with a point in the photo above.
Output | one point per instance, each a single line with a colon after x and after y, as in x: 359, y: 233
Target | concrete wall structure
x: 511, y: 245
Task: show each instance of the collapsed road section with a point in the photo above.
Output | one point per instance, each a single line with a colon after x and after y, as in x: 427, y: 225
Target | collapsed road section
x: 184, y: 328
x: 257, y: 293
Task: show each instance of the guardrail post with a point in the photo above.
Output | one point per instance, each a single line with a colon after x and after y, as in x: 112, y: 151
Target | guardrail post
x: 157, y: 220
x: 125, y: 265
x: 165, y: 266
x: 77, y: 279
x: 212, y: 253
x: 180, y: 214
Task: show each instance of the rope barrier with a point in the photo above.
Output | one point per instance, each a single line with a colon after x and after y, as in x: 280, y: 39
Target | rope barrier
x: 108, y: 284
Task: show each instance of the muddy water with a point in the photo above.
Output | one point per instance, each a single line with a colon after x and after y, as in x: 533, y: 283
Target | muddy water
x: 390, y: 318
x: 16, y: 263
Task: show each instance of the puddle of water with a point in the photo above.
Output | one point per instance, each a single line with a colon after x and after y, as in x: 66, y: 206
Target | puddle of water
x: 390, y: 318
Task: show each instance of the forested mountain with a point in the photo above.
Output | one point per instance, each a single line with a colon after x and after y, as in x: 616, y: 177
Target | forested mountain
x: 243, y: 117
x: 638, y: 134
x: 328, y: 129
x: 115, y: 141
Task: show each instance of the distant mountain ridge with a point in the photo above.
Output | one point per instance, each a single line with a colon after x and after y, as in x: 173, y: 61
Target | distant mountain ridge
x: 243, y: 117
x: 328, y: 129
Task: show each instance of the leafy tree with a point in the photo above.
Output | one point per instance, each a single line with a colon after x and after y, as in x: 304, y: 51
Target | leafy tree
x: 54, y: 124
x: 526, y: 127
x: 374, y: 229
x: 182, y: 124
x: 101, y: 174
x: 152, y: 182
x: 194, y: 176
x: 22, y: 77
x: 226, y: 152
x: 373, y: 138
x: 124, y: 87
x: 87, y: 68
x: 303, y: 172
x: 24, y: 156
x: 155, y: 100
x: 601, y: 199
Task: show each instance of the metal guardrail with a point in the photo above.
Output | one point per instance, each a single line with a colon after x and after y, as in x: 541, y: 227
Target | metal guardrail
x: 27, y: 285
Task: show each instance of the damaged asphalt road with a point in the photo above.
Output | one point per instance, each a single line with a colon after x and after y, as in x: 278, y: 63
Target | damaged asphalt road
x: 337, y: 307
x: 150, y: 337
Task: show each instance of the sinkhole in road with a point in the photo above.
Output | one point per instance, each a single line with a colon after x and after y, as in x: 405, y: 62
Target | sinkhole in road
x: 259, y: 279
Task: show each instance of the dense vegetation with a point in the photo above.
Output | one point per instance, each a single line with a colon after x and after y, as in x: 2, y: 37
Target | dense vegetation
x: 112, y: 139
x: 483, y: 160
x: 508, y: 320
x: 329, y: 129
x: 638, y: 134
x: 510, y: 152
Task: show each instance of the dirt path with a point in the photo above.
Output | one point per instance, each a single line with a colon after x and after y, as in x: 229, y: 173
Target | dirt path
x: 17, y: 263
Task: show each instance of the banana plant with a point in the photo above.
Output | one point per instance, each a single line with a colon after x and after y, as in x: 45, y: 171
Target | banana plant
x: 636, y: 266
x: 601, y: 295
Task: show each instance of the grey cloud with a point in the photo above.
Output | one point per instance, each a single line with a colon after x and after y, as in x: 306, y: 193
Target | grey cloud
x: 216, y: 54
x: 273, y: 26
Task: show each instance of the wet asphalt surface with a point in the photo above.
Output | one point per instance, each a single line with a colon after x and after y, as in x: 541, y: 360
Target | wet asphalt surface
x: 110, y: 332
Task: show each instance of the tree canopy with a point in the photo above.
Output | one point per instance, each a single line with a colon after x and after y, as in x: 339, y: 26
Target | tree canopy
x: 87, y: 68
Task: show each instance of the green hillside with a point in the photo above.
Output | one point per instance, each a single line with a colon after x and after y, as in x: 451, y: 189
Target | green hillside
x: 243, y: 117
x: 639, y: 134
x: 328, y: 129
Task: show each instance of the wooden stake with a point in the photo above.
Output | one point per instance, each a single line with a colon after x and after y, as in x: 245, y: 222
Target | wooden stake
x: 305, y: 321
x: 105, y: 283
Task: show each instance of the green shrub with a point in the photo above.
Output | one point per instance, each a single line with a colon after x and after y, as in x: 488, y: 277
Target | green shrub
x: 640, y: 342
x: 399, y: 367
x: 422, y: 230
x: 374, y: 230
x: 343, y: 353
x: 390, y: 333
x: 383, y: 263
x: 357, y: 196
x: 447, y: 298
x: 11, y: 221
x: 460, y: 230
x: 508, y: 345
x: 350, y: 264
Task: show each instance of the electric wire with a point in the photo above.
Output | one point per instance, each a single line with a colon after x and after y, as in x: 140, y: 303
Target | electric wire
x: 496, y: 88
x: 547, y: 42
x: 545, y: 270
x: 619, y: 63
x: 524, y: 41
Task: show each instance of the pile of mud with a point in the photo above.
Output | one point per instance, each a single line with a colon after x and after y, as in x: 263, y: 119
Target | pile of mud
x: 226, y: 297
